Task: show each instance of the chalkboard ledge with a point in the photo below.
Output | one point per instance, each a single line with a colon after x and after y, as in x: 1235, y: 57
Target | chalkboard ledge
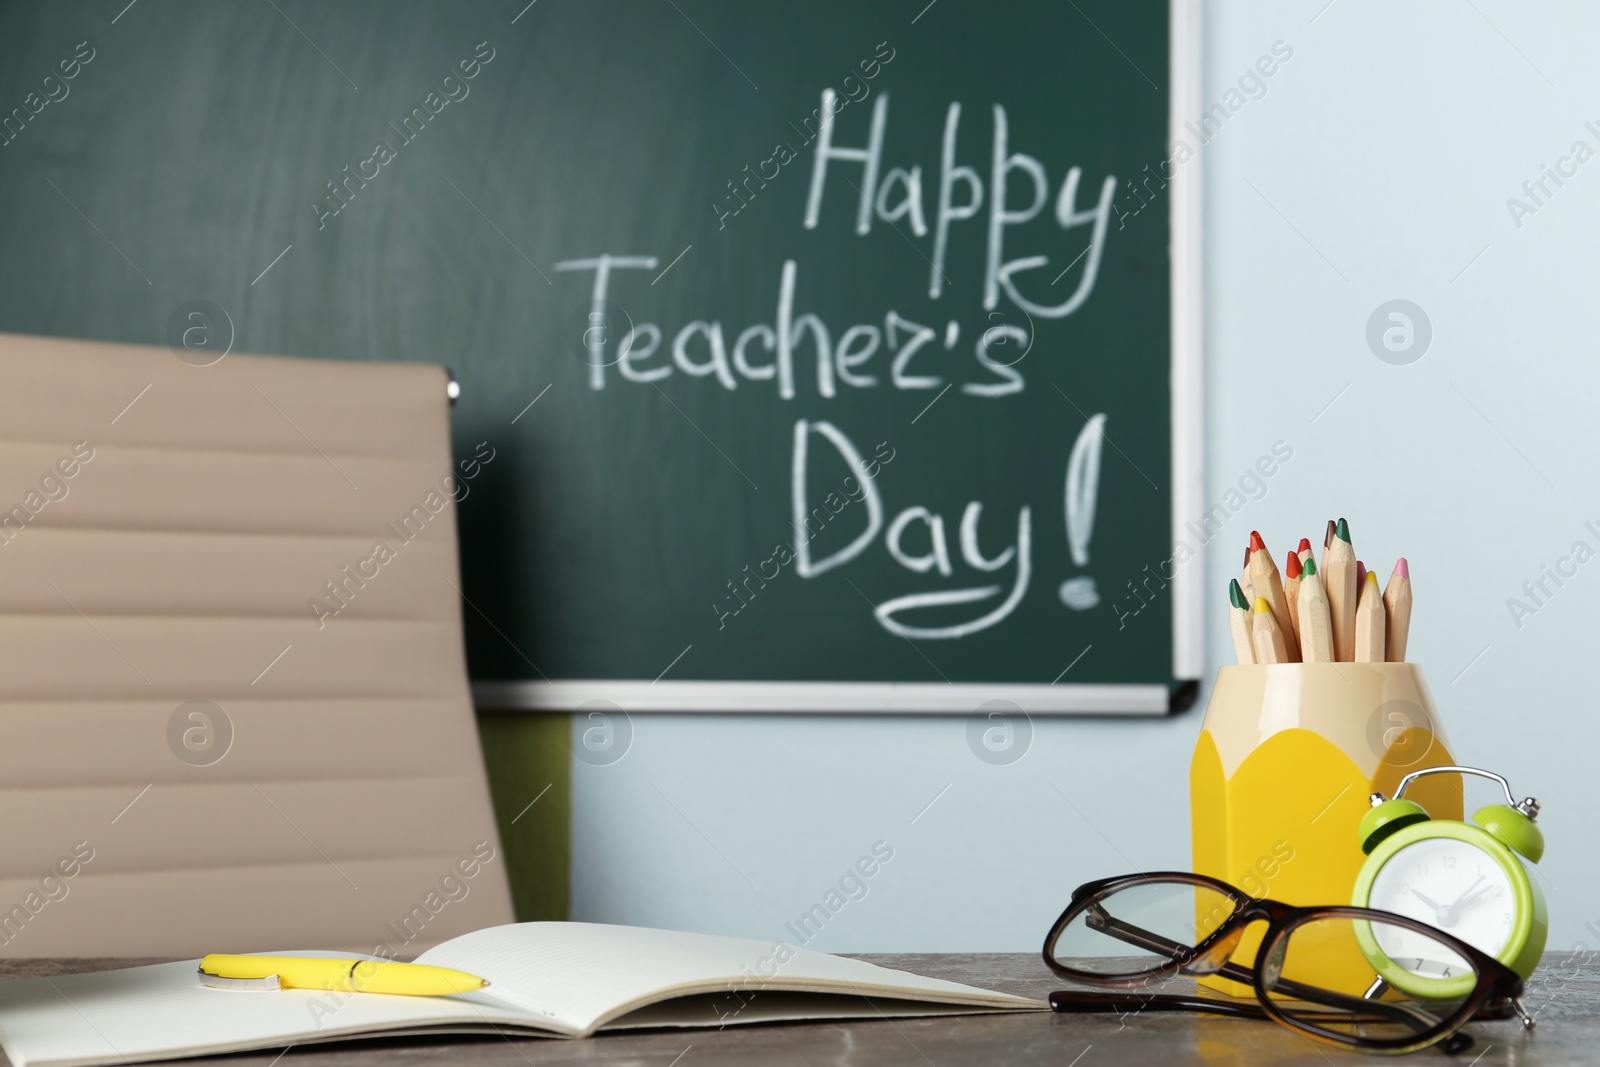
x: 873, y: 698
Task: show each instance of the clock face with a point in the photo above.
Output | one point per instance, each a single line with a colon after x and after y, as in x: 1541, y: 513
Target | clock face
x: 1449, y: 884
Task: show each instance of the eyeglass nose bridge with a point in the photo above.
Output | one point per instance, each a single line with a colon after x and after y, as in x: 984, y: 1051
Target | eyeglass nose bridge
x: 1215, y: 956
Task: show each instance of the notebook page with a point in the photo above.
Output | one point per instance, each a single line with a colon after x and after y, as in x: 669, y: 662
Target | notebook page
x: 580, y: 975
x: 162, y: 1011
x: 711, y: 1011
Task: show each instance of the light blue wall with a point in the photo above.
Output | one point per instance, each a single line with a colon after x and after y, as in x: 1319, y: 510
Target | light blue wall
x: 1377, y: 166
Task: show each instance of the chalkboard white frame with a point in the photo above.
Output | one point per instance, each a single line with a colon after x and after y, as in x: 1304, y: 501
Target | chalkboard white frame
x: 1188, y: 463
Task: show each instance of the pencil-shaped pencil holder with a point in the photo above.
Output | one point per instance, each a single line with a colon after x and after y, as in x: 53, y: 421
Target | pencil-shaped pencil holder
x: 1287, y: 757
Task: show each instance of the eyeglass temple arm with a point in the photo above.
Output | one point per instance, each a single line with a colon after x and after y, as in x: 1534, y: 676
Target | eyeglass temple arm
x: 1100, y: 919
x: 1073, y: 1002
x: 1079, y: 1002
x: 1350, y: 1007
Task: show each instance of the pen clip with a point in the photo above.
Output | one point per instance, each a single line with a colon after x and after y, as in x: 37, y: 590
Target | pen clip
x: 216, y: 981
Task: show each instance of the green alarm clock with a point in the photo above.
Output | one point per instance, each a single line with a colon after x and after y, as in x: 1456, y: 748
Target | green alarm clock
x: 1463, y: 879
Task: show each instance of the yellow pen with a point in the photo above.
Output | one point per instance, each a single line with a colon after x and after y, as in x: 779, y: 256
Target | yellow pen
x: 345, y: 976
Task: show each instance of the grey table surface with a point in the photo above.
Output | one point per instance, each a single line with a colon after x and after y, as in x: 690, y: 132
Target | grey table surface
x: 1564, y: 995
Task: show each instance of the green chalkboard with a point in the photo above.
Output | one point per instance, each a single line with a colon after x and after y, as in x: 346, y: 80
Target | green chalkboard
x: 813, y: 343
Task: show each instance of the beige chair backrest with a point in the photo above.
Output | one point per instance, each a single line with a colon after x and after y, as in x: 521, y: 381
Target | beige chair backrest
x: 234, y: 709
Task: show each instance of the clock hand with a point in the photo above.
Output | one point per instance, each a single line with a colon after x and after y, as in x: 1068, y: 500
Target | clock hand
x: 1437, y: 909
x: 1461, y: 905
x: 1450, y: 914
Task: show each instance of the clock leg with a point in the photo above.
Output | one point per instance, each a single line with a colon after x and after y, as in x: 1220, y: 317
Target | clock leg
x: 1376, y: 989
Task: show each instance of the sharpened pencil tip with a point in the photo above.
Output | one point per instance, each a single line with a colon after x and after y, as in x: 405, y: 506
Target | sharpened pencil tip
x: 1402, y: 568
x: 1262, y: 607
x: 1256, y: 544
x: 1342, y: 531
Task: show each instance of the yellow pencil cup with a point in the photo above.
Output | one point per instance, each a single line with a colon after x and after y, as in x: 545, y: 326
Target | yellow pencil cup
x: 1287, y: 757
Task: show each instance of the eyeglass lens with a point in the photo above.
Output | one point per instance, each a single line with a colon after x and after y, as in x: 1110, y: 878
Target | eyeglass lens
x: 1318, y: 971
x: 1141, y: 928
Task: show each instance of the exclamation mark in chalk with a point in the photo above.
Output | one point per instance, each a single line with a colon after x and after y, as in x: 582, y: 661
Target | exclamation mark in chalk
x: 1081, y: 494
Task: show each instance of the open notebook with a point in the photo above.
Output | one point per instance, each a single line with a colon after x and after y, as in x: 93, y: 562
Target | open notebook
x: 546, y: 979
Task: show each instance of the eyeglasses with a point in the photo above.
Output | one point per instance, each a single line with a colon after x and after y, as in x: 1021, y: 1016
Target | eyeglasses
x: 1345, y: 975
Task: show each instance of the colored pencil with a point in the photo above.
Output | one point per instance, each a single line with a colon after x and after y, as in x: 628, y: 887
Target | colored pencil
x: 1316, y: 626
x: 1269, y: 586
x: 1239, y: 623
x: 1397, y: 608
x: 1291, y: 588
x: 1339, y: 584
x: 1318, y: 612
x: 1371, y: 630
x: 1266, y: 635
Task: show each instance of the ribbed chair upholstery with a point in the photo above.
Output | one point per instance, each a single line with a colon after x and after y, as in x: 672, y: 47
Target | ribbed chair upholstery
x: 230, y: 720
